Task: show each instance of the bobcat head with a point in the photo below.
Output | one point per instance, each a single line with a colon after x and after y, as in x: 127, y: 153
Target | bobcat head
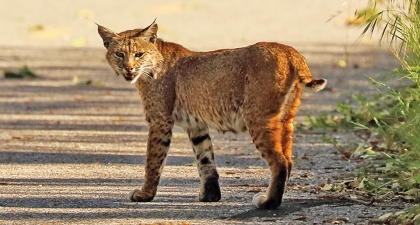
x: 133, y: 53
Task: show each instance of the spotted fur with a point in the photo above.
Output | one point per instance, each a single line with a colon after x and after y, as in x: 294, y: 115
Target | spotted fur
x: 255, y: 89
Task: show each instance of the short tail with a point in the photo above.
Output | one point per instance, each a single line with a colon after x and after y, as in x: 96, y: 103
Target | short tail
x: 304, y: 75
x: 316, y: 85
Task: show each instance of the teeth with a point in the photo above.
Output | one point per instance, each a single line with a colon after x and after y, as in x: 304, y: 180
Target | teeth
x: 135, y: 78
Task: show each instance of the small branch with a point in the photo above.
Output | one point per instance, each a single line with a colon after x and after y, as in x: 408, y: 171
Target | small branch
x: 248, y: 185
x: 372, y: 200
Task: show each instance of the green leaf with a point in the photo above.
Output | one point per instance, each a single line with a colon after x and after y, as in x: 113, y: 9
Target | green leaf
x: 416, y: 178
x: 8, y: 74
x: 413, y: 192
x: 25, y: 72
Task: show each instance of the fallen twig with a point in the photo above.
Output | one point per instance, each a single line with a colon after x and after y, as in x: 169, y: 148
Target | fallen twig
x: 372, y: 200
x: 342, y: 197
x: 248, y: 185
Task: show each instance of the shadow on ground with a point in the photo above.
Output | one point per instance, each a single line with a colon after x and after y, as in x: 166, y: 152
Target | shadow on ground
x: 155, y: 209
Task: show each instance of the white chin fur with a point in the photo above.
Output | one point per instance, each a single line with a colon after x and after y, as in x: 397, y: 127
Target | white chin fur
x: 135, y: 78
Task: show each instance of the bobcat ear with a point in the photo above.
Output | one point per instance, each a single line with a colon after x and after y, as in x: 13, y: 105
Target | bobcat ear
x: 150, y: 32
x: 106, y: 34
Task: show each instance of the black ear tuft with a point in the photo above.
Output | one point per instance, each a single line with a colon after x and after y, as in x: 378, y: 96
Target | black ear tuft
x: 150, y: 32
x: 107, y: 35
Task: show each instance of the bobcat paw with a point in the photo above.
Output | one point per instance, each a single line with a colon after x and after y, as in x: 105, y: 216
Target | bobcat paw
x: 259, y: 199
x: 210, y: 191
x: 263, y: 202
x: 137, y: 195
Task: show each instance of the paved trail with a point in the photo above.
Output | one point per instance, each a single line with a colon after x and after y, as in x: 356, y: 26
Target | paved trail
x: 71, y: 153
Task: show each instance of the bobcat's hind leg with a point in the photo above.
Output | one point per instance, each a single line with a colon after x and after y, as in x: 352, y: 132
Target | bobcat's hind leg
x: 203, y: 149
x: 268, y: 140
x: 158, y: 142
x: 272, y: 133
x: 288, y: 128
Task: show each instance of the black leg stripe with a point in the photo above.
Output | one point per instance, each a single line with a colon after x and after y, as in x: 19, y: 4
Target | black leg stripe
x: 200, y: 139
x: 167, y: 143
x: 204, y: 160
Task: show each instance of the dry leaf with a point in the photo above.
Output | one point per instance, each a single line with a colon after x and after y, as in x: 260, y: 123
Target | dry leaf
x: 78, y: 42
x: 79, y: 98
x: 191, y: 164
x: 255, y: 190
x: 342, y: 63
x: 336, y: 220
x: 85, y: 14
x: 172, y: 8
x: 50, y: 33
x: 87, y: 82
x: 36, y: 27
x: 248, y: 185
x: 167, y: 223
x: 300, y: 218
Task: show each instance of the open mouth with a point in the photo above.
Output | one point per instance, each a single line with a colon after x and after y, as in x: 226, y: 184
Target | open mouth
x: 129, y: 76
x: 133, y: 77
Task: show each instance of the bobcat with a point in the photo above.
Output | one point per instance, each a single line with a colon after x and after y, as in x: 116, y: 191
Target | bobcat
x: 255, y: 88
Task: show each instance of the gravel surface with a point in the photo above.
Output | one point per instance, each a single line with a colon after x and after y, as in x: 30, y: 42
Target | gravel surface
x: 70, y: 154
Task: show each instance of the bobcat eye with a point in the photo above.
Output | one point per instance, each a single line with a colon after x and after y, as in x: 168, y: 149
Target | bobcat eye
x: 138, y: 54
x: 119, y: 54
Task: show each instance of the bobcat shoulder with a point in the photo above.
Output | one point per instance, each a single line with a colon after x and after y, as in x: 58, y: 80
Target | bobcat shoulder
x: 255, y: 89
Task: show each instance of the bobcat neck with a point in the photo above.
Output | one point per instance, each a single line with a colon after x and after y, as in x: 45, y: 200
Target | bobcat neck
x: 171, y: 53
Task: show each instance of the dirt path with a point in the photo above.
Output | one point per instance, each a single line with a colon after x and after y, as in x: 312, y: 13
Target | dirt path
x: 71, y: 153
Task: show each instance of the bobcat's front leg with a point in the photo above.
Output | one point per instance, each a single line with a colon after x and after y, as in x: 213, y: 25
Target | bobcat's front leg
x: 203, y: 149
x: 158, y: 143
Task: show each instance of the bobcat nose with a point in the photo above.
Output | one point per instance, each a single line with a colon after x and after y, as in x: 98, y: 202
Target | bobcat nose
x: 129, y: 69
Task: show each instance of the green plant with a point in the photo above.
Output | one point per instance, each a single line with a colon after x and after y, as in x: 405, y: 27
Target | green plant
x: 400, y: 126
x: 346, y: 117
x: 25, y: 72
x: 393, y: 116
